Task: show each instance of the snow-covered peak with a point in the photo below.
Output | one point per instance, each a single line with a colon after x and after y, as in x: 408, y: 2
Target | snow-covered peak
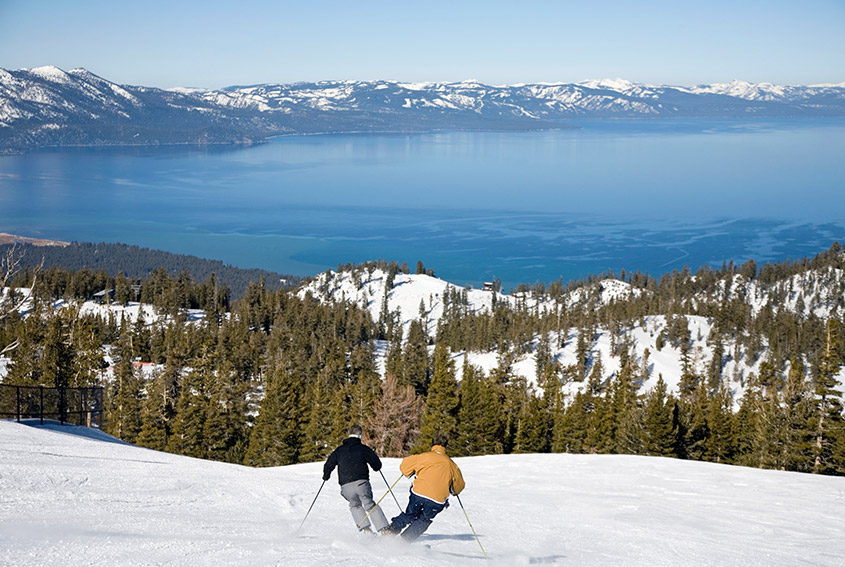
x: 618, y: 85
x: 51, y: 73
x: 187, y: 90
x: 416, y: 86
x: 408, y: 294
x: 603, y: 292
x: 745, y: 90
x: 85, y: 74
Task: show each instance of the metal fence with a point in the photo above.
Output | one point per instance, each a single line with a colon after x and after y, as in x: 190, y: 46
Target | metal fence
x: 75, y: 406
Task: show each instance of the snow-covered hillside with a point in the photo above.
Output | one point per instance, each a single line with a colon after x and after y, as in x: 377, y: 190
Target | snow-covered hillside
x: 73, y: 497
x: 129, y: 312
x: 422, y: 297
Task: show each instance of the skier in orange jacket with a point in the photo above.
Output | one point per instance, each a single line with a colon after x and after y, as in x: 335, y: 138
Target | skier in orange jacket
x: 437, y: 476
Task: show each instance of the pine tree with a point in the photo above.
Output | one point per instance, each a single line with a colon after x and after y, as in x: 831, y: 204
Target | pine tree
x: 570, y: 432
x: 743, y: 430
x: 797, y: 412
x: 659, y: 435
x: 694, y: 408
x: 225, y: 430
x: 156, y: 412
x: 58, y: 357
x: 188, y: 426
x: 827, y: 420
x: 478, y: 409
x: 123, y: 399
x: 277, y: 435
x: 534, y: 431
x: 720, y: 442
x: 415, y: 363
x: 441, y: 404
x: 625, y: 409
x: 318, y: 432
x: 365, y: 387
x: 393, y: 361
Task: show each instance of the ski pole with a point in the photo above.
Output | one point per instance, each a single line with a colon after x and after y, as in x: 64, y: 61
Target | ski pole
x: 391, y: 492
x: 470, y: 527
x: 364, y: 519
x: 309, y: 509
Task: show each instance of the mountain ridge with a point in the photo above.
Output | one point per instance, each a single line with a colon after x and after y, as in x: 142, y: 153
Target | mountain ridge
x: 49, y: 107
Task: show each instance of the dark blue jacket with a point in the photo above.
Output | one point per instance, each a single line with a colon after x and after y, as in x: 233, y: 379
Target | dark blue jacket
x: 351, y: 460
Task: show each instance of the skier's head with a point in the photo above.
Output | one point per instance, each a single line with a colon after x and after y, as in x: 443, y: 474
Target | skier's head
x: 356, y: 431
x: 440, y: 439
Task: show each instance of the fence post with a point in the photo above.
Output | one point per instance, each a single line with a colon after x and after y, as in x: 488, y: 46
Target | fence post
x: 87, y: 414
x: 18, y: 408
x: 41, y: 405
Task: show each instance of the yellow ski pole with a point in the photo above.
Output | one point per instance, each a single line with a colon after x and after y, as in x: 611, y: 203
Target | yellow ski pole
x: 379, y: 501
x: 391, y: 492
x: 472, y: 528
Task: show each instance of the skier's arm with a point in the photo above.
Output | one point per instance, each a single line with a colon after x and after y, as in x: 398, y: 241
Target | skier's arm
x: 458, y: 483
x: 408, y: 466
x: 331, y: 463
x: 372, y: 459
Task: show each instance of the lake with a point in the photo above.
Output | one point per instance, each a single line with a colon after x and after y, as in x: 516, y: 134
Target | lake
x: 648, y: 195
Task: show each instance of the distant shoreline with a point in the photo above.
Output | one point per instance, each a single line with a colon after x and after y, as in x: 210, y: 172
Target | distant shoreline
x: 6, y: 238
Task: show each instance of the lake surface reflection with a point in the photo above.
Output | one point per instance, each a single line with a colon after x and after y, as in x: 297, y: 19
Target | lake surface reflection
x: 522, y: 207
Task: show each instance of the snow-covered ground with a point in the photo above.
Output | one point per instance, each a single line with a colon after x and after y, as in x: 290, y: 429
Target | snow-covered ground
x: 71, y: 496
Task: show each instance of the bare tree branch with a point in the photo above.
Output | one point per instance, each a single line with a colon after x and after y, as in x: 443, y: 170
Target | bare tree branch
x: 9, y: 265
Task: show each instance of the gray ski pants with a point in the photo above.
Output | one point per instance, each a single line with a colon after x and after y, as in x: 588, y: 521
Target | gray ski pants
x: 359, y: 494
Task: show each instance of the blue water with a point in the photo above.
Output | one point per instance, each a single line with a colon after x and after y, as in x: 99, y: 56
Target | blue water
x: 522, y: 207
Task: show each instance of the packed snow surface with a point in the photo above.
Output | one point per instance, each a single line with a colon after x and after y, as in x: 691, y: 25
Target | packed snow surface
x: 73, y: 496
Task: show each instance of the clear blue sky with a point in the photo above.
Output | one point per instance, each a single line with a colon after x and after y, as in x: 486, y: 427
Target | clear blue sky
x: 220, y: 43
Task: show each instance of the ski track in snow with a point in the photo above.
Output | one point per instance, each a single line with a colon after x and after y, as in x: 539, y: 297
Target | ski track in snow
x: 69, y: 499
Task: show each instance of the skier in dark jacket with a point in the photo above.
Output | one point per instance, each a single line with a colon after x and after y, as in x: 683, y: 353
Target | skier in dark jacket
x: 351, y: 459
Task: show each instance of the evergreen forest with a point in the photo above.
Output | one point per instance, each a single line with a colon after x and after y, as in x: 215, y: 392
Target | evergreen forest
x: 275, y: 376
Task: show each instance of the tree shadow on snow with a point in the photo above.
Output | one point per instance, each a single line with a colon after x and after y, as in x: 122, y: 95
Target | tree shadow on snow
x: 76, y: 430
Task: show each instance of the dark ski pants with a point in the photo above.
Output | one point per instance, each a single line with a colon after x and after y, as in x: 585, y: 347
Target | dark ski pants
x: 359, y: 494
x: 416, y: 517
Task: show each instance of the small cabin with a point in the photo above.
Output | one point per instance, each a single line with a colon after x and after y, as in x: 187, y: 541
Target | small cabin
x: 488, y: 286
x: 103, y: 297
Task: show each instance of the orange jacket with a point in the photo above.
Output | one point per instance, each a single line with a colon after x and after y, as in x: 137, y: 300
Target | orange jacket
x: 436, y: 473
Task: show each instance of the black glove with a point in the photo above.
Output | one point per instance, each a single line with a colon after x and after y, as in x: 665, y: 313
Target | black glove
x: 326, y: 477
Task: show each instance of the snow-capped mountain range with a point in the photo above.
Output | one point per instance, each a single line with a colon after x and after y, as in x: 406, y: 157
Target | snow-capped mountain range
x: 46, y: 106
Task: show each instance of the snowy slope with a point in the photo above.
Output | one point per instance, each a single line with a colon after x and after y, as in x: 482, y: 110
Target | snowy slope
x: 70, y: 500
x: 818, y: 291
